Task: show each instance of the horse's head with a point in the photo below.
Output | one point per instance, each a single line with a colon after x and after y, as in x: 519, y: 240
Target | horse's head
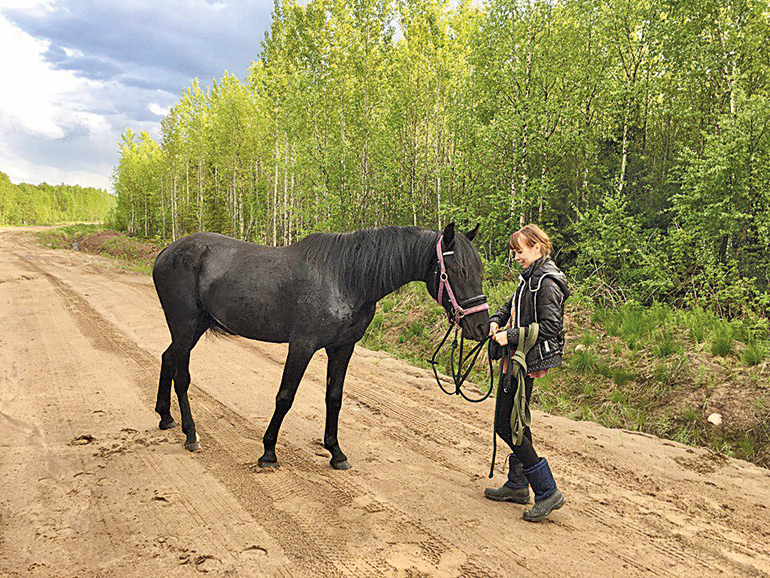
x: 457, y: 282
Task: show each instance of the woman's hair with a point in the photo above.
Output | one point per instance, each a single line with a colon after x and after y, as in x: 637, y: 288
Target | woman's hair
x: 530, y: 234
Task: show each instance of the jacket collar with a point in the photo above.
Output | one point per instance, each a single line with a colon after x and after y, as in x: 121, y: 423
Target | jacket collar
x: 527, y: 273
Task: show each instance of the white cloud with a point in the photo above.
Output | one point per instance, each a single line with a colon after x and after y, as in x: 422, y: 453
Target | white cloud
x: 75, y: 73
x: 27, y: 4
x: 155, y: 108
x: 33, y: 93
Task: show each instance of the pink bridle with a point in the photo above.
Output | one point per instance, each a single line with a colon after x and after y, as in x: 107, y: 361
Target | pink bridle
x: 458, y: 311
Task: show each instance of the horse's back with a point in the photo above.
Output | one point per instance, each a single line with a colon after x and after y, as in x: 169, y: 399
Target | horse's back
x: 248, y: 289
x: 259, y: 292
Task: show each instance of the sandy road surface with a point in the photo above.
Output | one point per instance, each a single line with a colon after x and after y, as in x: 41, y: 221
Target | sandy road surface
x: 90, y: 487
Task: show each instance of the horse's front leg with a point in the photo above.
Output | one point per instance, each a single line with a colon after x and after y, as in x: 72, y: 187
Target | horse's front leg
x: 296, y: 363
x: 339, y: 357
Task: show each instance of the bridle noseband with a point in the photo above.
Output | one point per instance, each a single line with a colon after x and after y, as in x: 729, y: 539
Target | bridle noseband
x: 458, y: 311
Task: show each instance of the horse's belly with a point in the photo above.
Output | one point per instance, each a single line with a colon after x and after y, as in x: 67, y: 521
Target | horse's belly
x: 256, y: 315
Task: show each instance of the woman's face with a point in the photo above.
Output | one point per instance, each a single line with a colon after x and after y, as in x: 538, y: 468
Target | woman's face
x: 526, y: 255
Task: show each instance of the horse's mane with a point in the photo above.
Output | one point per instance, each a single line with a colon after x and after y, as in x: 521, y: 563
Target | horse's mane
x: 373, y: 260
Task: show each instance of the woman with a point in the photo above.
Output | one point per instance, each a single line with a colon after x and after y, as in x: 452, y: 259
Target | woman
x: 532, y: 322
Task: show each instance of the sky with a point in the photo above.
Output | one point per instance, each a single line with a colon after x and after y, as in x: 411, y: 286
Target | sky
x: 74, y: 74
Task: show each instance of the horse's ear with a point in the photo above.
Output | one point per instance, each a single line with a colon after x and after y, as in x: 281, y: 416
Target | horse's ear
x: 470, y: 235
x: 449, y: 237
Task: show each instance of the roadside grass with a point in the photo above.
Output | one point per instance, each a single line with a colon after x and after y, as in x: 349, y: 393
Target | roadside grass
x: 64, y: 237
x: 131, y: 253
x: 754, y: 354
x: 653, y: 369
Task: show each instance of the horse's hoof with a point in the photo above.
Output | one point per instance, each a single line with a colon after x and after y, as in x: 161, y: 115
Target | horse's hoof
x: 193, y: 446
x: 167, y: 424
x: 265, y: 464
x: 343, y: 465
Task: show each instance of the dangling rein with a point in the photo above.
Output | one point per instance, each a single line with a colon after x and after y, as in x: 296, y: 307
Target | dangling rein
x: 520, y: 414
x: 464, y: 366
x: 456, y: 313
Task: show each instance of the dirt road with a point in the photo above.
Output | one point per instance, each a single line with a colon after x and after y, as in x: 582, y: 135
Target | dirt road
x: 90, y: 487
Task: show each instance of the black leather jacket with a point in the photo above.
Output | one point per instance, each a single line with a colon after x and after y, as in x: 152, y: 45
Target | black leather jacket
x: 539, y: 298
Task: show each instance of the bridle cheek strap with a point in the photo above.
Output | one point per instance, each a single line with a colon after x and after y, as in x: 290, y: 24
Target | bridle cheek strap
x: 457, y: 310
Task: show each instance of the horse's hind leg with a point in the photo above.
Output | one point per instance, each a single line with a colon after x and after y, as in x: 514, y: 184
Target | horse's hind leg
x: 163, y: 403
x: 296, y: 363
x: 178, y: 356
x: 181, y: 385
x: 339, y: 357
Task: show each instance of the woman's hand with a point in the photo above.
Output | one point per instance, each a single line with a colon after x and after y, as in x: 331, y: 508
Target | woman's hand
x: 501, y: 337
x: 493, y: 327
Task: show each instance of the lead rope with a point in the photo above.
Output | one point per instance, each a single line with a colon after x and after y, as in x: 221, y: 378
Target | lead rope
x: 520, y: 414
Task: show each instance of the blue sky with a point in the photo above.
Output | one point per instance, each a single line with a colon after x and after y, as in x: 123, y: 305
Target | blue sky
x: 75, y: 73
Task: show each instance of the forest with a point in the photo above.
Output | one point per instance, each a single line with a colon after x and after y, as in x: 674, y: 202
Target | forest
x: 635, y: 132
x: 45, y: 204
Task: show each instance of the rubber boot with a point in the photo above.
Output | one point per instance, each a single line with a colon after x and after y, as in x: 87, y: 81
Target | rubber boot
x: 547, y: 496
x: 516, y: 489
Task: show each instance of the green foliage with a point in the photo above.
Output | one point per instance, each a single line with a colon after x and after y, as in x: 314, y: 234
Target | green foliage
x: 665, y: 344
x: 608, y: 319
x: 45, y: 204
x: 588, y: 119
x: 753, y: 354
x: 698, y: 323
x: 587, y: 339
x: 722, y: 339
x: 617, y: 256
x: 583, y: 361
x: 634, y: 325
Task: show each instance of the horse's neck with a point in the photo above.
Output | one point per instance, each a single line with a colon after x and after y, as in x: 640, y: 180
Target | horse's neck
x: 414, y: 256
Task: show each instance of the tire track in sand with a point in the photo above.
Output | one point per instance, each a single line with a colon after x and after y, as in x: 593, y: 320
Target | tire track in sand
x: 446, y: 428
x: 310, y: 533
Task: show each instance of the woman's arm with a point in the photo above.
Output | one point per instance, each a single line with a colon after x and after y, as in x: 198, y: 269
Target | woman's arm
x: 549, y: 310
x: 549, y: 315
x: 502, y: 315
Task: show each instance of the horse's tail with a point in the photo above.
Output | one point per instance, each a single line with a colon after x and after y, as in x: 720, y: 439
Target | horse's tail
x: 176, y: 275
x: 218, y: 329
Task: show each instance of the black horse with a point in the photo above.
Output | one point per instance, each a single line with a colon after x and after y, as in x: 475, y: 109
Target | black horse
x: 320, y: 292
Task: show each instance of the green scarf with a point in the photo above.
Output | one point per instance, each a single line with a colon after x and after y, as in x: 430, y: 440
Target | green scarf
x: 520, y: 415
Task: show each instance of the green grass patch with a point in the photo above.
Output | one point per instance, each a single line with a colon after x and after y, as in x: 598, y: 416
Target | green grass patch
x: 722, y: 340
x: 131, y: 253
x: 665, y: 344
x: 698, y: 323
x: 583, y: 361
x: 66, y: 237
x: 588, y: 339
x: 753, y: 354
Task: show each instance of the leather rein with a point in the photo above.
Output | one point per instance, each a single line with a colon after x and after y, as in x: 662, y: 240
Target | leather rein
x: 456, y: 311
